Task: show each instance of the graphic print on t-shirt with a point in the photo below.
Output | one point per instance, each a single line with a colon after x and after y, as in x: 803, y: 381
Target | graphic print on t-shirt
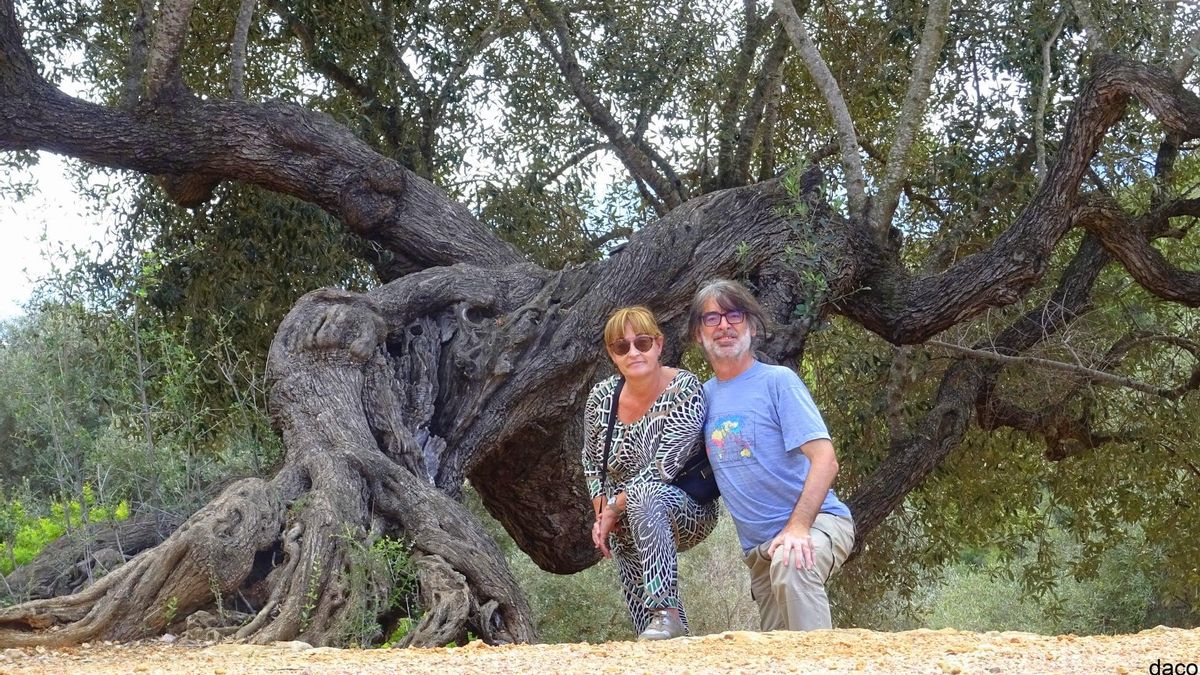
x: 730, y: 435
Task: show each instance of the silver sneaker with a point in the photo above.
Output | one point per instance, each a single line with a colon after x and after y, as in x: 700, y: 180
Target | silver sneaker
x: 663, y: 626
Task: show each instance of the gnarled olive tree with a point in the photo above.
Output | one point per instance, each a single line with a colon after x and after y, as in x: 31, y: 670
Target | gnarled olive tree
x: 472, y: 363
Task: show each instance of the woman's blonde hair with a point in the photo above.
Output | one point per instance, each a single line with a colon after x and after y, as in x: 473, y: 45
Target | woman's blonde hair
x: 639, y: 318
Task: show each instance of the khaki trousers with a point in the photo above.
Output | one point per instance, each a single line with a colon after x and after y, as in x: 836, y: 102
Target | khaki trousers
x: 792, y: 599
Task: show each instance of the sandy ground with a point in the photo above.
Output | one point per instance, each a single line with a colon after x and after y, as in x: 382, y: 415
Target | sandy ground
x: 836, y: 651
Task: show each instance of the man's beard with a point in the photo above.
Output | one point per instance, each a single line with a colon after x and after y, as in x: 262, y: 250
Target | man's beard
x: 733, y: 351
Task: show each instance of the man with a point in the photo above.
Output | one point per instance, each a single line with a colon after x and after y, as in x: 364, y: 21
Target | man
x: 775, y: 463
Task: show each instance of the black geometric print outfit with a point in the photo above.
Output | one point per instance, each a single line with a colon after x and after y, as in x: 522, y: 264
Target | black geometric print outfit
x: 660, y: 520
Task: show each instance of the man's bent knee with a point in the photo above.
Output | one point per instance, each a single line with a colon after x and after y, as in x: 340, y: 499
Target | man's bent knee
x: 784, y: 566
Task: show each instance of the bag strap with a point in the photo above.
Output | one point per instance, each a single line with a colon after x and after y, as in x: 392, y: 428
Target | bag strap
x: 612, y: 421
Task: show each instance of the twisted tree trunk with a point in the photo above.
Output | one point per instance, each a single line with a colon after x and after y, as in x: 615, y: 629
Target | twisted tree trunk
x: 386, y: 402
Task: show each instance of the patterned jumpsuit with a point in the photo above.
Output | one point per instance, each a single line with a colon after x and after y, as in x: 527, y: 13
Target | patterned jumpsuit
x: 660, y: 520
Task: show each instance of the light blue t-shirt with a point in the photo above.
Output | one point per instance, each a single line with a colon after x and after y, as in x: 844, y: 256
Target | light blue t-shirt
x: 753, y: 431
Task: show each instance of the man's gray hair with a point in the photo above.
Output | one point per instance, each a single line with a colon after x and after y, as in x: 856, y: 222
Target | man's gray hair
x: 728, y: 295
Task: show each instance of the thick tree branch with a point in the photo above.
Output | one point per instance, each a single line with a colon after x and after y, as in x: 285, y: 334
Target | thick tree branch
x: 902, y: 310
x: 856, y: 182
x: 1127, y: 241
x: 277, y: 146
x: 237, y: 61
x: 913, y: 456
x: 755, y: 30
x: 1183, y: 207
x: 18, y: 74
x: 766, y: 169
x: 883, y: 206
x: 170, y: 34
x: 139, y: 49
x: 727, y: 112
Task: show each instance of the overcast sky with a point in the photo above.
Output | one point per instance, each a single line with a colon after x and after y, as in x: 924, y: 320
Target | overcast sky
x: 52, y: 213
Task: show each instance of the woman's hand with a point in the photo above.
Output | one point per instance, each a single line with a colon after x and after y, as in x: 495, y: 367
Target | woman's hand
x: 606, y: 523
x: 597, y: 539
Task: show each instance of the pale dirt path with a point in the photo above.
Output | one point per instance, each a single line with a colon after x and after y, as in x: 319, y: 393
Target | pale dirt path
x: 837, y: 651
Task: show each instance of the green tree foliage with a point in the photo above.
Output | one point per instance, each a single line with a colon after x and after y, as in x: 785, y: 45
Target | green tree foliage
x: 203, y: 276
x: 1049, y: 525
x: 103, y: 402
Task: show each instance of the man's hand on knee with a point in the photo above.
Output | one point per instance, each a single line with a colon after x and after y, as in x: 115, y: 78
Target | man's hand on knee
x: 796, y: 545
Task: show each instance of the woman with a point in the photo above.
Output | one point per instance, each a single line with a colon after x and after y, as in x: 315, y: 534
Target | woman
x: 658, y: 425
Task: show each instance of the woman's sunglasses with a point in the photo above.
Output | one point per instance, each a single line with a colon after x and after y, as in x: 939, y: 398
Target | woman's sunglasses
x: 643, y: 343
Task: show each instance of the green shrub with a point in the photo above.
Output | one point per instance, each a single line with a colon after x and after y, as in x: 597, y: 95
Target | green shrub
x: 983, y: 600
x: 108, y: 397
x: 401, y: 630
x: 382, y: 584
x: 1115, y: 596
x: 714, y: 583
x: 25, y: 534
x: 587, y: 606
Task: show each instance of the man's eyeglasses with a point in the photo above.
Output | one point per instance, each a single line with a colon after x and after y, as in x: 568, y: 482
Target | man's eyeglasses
x: 733, y: 316
x: 643, y: 343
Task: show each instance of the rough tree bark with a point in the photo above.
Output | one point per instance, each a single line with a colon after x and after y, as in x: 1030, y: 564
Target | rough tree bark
x: 472, y: 364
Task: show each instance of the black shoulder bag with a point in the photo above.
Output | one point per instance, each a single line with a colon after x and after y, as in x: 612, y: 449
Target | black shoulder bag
x: 696, y: 478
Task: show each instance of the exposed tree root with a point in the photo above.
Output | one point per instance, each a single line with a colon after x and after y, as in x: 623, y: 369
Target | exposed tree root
x: 210, y: 554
